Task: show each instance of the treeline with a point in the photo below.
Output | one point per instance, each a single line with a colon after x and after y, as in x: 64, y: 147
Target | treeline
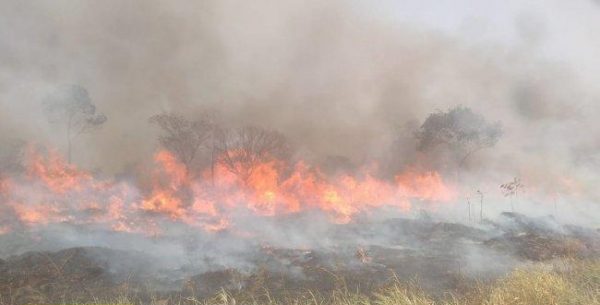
x: 449, y: 138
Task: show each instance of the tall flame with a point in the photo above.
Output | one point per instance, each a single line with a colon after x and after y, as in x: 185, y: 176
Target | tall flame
x: 55, y: 192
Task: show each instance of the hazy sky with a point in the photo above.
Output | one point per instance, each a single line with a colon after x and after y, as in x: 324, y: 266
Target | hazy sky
x: 561, y: 30
x: 337, y: 77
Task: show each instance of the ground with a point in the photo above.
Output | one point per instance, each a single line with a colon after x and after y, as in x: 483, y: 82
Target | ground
x: 514, y: 260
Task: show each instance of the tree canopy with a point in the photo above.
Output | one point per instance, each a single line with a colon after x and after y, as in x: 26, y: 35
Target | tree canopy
x: 460, y: 129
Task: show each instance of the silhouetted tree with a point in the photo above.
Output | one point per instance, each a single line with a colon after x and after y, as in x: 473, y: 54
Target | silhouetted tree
x: 72, y: 107
x: 459, y: 129
x: 183, y: 137
x: 511, y: 190
x: 242, y: 149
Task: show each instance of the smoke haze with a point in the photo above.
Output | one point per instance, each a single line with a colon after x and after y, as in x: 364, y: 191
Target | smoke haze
x: 337, y: 78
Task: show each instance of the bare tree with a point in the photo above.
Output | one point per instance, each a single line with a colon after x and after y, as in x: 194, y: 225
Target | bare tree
x: 480, y: 193
x: 183, y: 137
x: 242, y: 149
x: 511, y: 190
x: 468, y: 197
x: 461, y: 130
x: 71, y: 107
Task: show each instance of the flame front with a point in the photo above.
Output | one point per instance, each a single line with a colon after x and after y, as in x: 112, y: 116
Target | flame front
x: 55, y: 192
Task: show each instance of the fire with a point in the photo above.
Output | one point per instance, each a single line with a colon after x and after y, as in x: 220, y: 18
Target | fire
x: 54, y: 172
x: 56, y: 192
x: 38, y: 214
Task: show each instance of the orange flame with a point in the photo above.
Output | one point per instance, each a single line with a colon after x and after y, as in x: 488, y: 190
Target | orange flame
x: 62, y: 193
x: 57, y: 175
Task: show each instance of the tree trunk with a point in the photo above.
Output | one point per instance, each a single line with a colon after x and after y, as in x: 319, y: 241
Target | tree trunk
x: 481, y: 208
x: 469, y: 204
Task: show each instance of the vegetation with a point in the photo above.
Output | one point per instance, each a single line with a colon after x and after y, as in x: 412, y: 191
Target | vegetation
x: 182, y: 136
x: 242, y: 149
x: 460, y: 131
x: 511, y: 190
x: 571, y: 282
x: 71, y: 108
x: 239, y: 150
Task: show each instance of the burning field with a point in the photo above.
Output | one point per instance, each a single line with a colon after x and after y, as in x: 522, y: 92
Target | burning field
x: 299, y: 152
x: 242, y: 181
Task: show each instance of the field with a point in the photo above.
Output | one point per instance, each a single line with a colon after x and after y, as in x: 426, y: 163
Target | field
x: 513, y: 260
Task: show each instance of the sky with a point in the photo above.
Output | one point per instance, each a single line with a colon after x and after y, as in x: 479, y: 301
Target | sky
x: 558, y: 30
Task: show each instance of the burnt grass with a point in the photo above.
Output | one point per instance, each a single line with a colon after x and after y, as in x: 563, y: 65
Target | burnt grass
x: 440, y: 256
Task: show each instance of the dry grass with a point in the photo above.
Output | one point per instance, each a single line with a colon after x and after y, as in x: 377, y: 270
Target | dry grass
x: 401, y: 295
x: 533, y: 287
x: 566, y: 283
x: 570, y: 282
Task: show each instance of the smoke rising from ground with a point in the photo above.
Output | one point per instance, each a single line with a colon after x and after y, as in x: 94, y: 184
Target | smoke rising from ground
x: 335, y: 78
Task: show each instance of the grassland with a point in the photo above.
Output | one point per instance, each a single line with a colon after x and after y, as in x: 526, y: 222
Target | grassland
x: 564, y: 282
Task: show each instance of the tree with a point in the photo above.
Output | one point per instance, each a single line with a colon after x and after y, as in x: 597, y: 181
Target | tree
x: 241, y: 150
x: 459, y: 129
x: 511, y: 190
x: 468, y: 197
x: 71, y: 106
x: 480, y: 193
x: 183, y: 137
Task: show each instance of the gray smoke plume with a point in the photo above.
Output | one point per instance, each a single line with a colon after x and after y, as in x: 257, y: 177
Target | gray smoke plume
x: 336, y: 77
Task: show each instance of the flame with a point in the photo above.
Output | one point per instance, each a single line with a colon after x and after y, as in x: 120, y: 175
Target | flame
x: 56, y: 192
x: 54, y: 172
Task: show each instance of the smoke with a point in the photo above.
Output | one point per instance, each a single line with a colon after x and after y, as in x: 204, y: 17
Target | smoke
x: 341, y: 79
x: 336, y: 79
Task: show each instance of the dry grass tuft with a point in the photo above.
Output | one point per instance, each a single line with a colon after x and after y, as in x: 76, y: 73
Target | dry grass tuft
x: 533, y: 287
